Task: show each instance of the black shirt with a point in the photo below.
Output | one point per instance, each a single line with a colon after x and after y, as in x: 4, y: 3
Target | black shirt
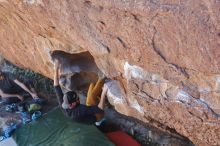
x: 7, y: 85
x: 81, y: 113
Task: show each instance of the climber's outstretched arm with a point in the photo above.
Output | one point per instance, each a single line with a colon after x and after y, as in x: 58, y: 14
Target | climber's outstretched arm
x: 57, y: 72
x: 101, y: 104
x: 58, y: 90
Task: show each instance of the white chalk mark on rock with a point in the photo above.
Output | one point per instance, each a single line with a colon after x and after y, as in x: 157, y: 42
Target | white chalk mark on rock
x: 183, y: 96
x: 114, y: 93
x: 136, y: 106
x: 133, y: 71
x: 33, y: 2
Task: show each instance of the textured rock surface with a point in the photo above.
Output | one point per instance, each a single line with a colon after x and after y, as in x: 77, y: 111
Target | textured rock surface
x: 165, y: 54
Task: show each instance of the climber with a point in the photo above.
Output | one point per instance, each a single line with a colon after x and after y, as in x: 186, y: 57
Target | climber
x: 12, y: 87
x: 70, y: 103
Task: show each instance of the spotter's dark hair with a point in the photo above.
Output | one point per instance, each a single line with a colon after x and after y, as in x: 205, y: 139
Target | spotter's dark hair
x: 72, y: 96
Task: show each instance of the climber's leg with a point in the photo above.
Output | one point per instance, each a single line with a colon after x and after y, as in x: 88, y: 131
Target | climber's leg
x: 97, y: 90
x: 90, y: 100
x: 93, y: 96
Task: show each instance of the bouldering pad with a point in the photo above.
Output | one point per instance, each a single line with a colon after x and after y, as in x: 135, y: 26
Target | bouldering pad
x: 54, y: 129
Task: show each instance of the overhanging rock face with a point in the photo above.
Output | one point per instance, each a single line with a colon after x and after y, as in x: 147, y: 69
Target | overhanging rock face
x: 165, y: 55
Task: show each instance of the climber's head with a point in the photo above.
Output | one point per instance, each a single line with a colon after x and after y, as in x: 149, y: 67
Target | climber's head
x: 70, y: 100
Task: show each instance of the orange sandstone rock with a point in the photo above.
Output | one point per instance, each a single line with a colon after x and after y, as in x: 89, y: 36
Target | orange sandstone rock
x: 164, y: 54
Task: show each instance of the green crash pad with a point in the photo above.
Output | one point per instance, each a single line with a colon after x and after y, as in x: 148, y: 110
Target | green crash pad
x: 54, y: 129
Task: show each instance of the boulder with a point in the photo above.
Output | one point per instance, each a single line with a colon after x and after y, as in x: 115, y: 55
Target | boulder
x: 163, y: 55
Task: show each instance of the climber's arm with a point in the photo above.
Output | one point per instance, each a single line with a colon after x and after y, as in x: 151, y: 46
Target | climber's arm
x: 23, y: 86
x: 56, y: 74
x: 57, y: 88
x: 101, y: 104
x: 5, y: 95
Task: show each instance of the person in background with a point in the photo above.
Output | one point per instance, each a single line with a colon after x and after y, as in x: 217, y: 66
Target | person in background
x: 70, y: 103
x: 12, y: 87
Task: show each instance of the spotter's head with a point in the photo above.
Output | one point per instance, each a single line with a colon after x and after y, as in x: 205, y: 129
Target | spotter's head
x: 70, y: 100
